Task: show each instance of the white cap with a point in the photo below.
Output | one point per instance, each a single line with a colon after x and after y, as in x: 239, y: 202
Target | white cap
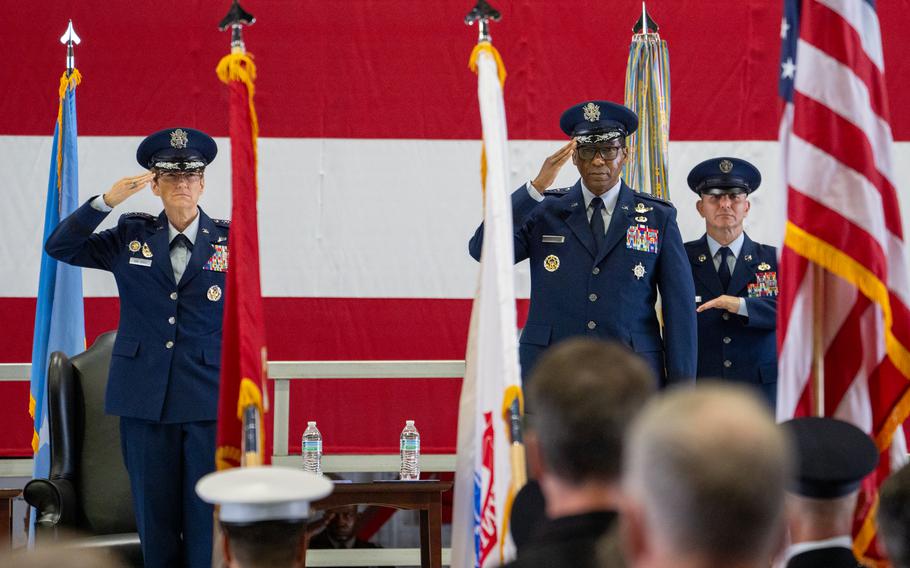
x: 267, y: 493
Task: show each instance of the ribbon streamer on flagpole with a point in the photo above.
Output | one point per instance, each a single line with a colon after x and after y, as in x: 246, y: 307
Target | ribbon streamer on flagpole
x: 648, y: 94
x: 243, y: 398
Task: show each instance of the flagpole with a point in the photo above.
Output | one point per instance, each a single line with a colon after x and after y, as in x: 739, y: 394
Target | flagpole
x: 252, y: 435
x: 818, y: 347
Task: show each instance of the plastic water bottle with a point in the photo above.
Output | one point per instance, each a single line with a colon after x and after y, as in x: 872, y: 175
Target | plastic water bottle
x: 410, y: 452
x: 312, y: 449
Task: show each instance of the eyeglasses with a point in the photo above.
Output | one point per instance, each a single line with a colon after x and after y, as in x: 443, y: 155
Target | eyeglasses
x: 176, y: 177
x: 608, y: 153
x: 716, y: 199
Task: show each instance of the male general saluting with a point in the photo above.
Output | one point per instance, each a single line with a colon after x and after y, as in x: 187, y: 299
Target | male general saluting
x: 599, y: 251
x: 163, y: 383
x: 735, y: 279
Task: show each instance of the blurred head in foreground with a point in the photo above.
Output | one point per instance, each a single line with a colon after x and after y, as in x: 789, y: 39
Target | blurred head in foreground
x: 704, y: 477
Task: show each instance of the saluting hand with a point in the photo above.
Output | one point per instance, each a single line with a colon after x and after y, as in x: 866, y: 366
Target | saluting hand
x: 551, y: 167
x: 126, y: 187
x: 729, y: 303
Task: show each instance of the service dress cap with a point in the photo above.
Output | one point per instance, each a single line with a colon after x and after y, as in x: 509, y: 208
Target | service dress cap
x: 832, y: 456
x: 593, y: 122
x: 268, y: 493
x: 177, y: 149
x: 724, y: 175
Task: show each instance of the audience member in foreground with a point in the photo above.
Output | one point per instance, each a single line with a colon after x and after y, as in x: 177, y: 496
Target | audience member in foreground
x: 894, y: 517
x: 704, y: 480
x: 584, y: 393
x: 832, y: 457
x: 263, y: 513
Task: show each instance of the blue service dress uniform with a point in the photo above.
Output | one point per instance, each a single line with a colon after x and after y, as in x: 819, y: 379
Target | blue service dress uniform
x: 164, y: 372
x: 577, y: 290
x: 730, y: 346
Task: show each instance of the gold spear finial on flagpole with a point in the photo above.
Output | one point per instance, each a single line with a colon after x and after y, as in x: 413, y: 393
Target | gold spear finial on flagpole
x: 70, y: 39
x: 482, y: 13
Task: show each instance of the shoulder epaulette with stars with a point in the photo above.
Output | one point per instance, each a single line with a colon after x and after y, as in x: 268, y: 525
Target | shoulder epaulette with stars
x: 557, y: 192
x: 648, y: 196
x: 139, y: 215
x: 223, y: 223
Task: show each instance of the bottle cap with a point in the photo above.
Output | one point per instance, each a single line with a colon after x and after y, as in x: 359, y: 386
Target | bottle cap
x: 408, y: 422
x: 313, y: 423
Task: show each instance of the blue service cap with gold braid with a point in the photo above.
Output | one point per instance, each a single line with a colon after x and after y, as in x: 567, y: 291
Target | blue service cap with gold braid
x: 724, y: 175
x: 177, y: 149
x: 832, y: 456
x: 592, y: 122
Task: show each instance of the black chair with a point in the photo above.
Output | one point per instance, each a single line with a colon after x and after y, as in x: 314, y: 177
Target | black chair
x: 86, y: 501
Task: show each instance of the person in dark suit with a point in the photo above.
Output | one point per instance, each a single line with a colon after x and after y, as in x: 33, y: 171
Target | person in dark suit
x: 833, y: 457
x: 170, y: 271
x: 600, y: 251
x: 584, y: 393
x: 894, y: 517
x: 735, y: 280
x: 337, y: 530
x: 704, y: 481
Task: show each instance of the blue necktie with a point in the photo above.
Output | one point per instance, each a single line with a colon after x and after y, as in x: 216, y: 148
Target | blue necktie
x: 597, y: 223
x: 182, y: 239
x: 723, y: 271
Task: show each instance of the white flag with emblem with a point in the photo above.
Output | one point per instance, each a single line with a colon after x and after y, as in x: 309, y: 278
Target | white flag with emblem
x: 484, y: 480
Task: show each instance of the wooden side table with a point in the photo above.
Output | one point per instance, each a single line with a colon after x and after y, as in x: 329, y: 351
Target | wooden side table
x: 425, y: 496
x: 7, y: 496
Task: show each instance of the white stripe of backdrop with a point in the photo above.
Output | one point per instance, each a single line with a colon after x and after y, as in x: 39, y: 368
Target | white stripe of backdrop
x: 354, y: 218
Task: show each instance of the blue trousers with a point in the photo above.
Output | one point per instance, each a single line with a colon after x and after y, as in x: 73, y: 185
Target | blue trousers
x: 164, y: 462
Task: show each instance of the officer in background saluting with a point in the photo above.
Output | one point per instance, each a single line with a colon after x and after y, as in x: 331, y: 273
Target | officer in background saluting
x: 163, y: 383
x: 600, y: 251
x: 735, y: 280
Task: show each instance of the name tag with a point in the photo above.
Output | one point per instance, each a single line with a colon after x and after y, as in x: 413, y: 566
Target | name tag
x: 140, y: 261
x: 553, y: 239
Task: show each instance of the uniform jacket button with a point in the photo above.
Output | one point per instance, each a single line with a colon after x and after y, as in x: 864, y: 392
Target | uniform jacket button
x: 727, y: 340
x: 172, y: 320
x: 169, y: 344
x: 593, y: 297
x: 592, y: 324
x: 173, y: 295
x: 728, y: 363
x: 596, y: 271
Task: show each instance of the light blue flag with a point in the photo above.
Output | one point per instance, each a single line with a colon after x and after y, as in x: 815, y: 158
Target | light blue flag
x: 59, y: 315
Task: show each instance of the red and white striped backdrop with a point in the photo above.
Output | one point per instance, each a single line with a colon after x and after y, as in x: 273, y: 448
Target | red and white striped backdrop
x: 369, y: 159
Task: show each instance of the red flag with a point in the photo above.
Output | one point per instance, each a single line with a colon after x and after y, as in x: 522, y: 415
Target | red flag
x: 244, y: 365
x: 843, y: 217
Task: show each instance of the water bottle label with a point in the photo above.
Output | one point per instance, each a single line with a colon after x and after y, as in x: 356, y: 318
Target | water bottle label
x: 410, y: 445
x: 312, y: 446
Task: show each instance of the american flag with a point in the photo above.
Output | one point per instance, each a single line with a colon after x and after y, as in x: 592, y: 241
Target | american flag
x: 843, y: 216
